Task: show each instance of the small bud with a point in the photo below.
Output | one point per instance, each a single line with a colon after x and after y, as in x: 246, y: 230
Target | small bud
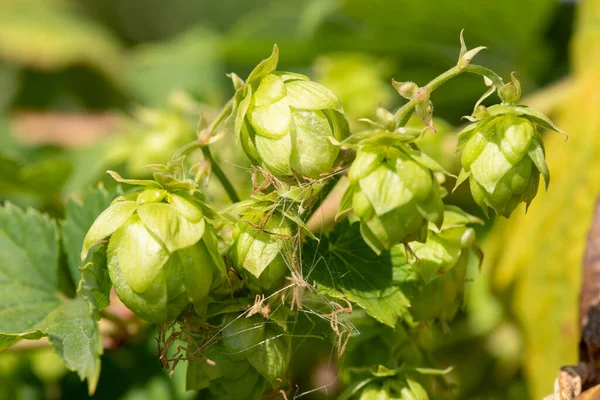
x: 511, y: 92
x: 425, y: 112
x: 406, y: 89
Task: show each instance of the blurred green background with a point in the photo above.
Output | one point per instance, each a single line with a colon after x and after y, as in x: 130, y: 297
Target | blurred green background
x: 88, y: 85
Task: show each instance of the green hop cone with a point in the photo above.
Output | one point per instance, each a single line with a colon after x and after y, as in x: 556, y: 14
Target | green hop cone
x: 435, y: 279
x: 503, y: 157
x: 393, y: 192
x: 286, y: 123
x: 256, y: 251
x: 161, y: 253
x: 250, y: 357
x: 403, y: 387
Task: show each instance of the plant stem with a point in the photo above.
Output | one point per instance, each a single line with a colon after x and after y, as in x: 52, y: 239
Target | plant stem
x: 403, y: 114
x: 221, y: 117
x: 216, y: 169
x: 202, y: 143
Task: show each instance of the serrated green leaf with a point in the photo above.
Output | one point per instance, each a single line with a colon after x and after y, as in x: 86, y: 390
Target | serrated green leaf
x: 30, y: 306
x: 94, y: 284
x: 73, y: 332
x: 346, y: 264
x: 79, y: 217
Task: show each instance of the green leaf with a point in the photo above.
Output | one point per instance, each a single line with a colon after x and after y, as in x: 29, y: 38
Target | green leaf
x: 425, y: 161
x: 79, y: 217
x: 242, y: 336
x: 136, y: 182
x: 28, y: 270
x: 346, y: 264
x: 73, y: 332
x: 95, y: 283
x: 29, y: 303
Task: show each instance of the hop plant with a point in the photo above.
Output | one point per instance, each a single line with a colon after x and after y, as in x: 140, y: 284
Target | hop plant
x: 503, y: 154
x: 392, y: 191
x: 434, y: 277
x: 285, y: 122
x: 161, y: 254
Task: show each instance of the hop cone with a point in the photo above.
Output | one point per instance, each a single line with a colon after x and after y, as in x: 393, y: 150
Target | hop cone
x: 250, y: 357
x: 503, y: 157
x: 434, y: 277
x: 394, y: 194
x: 285, y: 122
x: 161, y: 252
x: 257, y: 249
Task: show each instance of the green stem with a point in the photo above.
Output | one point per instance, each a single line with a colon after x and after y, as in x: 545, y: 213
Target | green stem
x: 222, y: 115
x: 202, y: 144
x: 216, y: 169
x: 403, y: 114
